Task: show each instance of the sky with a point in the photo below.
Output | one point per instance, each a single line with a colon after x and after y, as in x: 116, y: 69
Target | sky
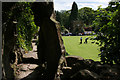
x: 67, y: 4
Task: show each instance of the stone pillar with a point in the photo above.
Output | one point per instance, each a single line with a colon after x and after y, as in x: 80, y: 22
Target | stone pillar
x: 49, y: 49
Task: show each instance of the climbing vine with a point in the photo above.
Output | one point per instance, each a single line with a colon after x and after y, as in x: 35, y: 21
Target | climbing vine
x: 26, y: 27
x: 20, y: 13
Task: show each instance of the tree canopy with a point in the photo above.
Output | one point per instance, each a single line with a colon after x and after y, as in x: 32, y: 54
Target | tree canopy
x: 108, y: 31
x: 86, y: 15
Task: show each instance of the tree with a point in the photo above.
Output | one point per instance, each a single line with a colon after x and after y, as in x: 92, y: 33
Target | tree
x: 108, y: 33
x: 65, y: 18
x: 73, y: 16
x: 62, y: 17
x: 86, y: 15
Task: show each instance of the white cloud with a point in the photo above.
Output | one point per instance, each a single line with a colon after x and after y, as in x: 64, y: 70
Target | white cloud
x: 67, y: 4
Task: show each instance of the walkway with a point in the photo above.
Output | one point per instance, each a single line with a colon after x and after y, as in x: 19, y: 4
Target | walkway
x: 23, y: 69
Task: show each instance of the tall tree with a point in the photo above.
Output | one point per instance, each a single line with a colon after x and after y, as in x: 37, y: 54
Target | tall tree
x: 73, y: 16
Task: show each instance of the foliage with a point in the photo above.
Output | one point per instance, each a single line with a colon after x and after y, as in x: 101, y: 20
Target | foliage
x: 102, y: 18
x: 73, y: 16
x: 74, y: 12
x: 25, y: 29
x: 86, y: 15
x: 62, y: 29
x: 63, y: 17
x: 108, y: 30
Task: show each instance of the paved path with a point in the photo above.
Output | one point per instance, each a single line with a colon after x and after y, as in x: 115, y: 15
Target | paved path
x: 24, y: 70
x: 29, y: 70
x: 32, y: 53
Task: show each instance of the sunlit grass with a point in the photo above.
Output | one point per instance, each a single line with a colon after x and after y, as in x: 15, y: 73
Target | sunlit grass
x: 87, y: 51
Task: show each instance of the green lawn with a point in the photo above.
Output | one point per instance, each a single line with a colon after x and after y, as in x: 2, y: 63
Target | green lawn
x: 87, y: 51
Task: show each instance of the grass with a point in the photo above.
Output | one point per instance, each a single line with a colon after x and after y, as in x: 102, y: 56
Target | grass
x: 87, y: 51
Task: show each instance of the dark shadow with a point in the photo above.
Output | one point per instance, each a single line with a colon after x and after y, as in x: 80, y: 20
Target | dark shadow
x: 37, y: 74
x: 30, y: 61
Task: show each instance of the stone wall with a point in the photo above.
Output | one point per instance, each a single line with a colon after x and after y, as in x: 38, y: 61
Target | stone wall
x: 87, y: 69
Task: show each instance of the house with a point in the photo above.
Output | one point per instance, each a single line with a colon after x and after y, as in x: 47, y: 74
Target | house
x: 88, y: 30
